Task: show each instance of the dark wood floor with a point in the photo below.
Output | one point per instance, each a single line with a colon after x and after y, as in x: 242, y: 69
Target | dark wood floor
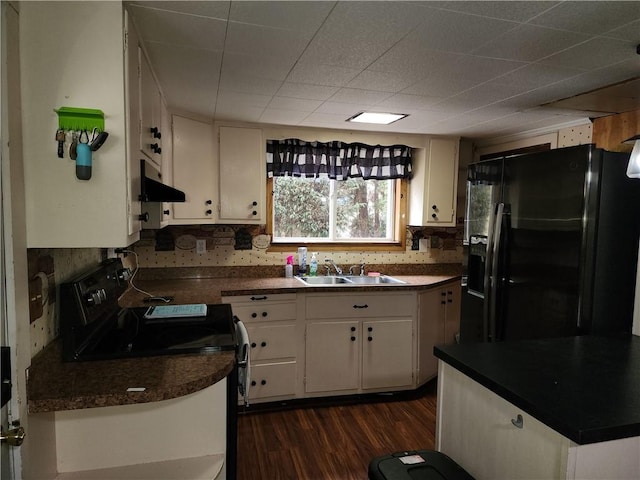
x: 332, y: 443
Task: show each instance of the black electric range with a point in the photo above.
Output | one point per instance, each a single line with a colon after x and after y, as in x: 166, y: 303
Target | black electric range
x: 94, y: 327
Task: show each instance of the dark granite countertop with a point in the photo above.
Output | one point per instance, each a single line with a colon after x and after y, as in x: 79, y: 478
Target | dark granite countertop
x: 56, y: 385
x: 211, y: 290
x: 586, y: 388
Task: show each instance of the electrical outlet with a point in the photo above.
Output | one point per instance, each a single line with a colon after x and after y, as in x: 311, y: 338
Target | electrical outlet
x: 201, y: 246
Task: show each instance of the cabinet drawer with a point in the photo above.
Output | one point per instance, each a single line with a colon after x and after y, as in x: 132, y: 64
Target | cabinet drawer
x: 260, y: 312
x: 361, y: 306
x: 269, y: 342
x: 272, y: 380
x: 280, y: 297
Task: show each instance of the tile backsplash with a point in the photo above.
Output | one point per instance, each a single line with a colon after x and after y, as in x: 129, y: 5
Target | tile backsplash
x: 439, y: 246
x: 53, y: 266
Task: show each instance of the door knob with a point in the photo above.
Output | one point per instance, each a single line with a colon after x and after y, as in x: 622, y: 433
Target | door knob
x: 13, y: 437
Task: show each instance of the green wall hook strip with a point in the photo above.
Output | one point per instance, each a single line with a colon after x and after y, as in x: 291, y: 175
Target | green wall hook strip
x: 70, y: 118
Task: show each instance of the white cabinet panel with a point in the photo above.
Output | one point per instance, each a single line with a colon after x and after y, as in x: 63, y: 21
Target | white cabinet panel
x: 332, y: 356
x: 433, y: 188
x: 387, y: 353
x: 242, y: 175
x: 273, y: 380
x: 194, y: 171
x: 475, y: 428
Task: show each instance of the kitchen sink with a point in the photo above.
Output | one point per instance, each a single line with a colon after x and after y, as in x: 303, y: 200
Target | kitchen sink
x: 328, y: 280
x: 373, y: 280
x: 349, y: 280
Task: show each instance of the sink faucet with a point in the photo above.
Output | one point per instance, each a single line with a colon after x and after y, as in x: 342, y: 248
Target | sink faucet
x: 353, y: 267
x: 337, y: 268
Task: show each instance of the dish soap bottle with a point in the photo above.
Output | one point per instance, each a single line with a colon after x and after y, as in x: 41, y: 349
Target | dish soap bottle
x: 313, y: 265
x: 288, y: 268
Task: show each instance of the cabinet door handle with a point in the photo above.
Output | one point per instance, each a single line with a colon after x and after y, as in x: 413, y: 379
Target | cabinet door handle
x: 263, y: 344
x: 208, y: 212
x: 370, y: 338
x: 353, y: 329
x: 518, y: 422
x: 254, y: 315
x: 361, y: 306
x: 263, y: 382
x: 254, y: 203
x: 264, y: 314
x: 253, y: 345
x: 353, y: 339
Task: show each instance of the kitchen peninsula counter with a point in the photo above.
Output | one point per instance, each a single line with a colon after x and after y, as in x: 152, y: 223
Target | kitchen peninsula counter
x: 585, y: 388
x: 55, y: 385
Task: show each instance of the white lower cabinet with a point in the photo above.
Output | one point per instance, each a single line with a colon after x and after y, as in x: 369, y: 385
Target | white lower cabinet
x: 438, y: 324
x: 274, y: 338
x: 361, y: 342
x: 493, y: 439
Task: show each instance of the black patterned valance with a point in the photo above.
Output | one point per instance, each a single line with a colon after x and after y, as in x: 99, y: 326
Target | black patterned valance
x: 337, y: 160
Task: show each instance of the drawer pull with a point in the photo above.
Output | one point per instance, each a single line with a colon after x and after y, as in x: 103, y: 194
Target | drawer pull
x: 254, y: 315
x: 370, y: 339
x: 263, y: 382
x: 353, y: 339
x: 264, y: 297
x: 264, y: 314
x: 253, y: 345
x: 361, y: 306
x: 518, y: 422
x: 353, y: 329
x: 263, y: 344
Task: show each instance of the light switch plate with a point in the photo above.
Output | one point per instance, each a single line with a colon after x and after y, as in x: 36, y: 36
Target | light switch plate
x: 201, y: 246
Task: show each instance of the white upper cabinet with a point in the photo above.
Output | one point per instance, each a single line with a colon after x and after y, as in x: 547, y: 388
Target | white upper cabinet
x: 194, y: 171
x: 433, y: 188
x: 59, y: 67
x: 242, y: 175
x: 150, y: 113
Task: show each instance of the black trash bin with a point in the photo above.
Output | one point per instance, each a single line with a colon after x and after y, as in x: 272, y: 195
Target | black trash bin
x: 416, y: 465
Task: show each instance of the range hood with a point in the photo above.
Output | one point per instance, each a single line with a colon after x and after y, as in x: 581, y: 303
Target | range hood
x: 153, y: 190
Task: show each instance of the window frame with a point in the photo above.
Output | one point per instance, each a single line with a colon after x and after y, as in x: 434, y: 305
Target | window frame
x: 400, y: 228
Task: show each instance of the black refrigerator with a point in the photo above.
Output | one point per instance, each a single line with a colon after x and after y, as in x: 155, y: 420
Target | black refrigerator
x: 552, y: 246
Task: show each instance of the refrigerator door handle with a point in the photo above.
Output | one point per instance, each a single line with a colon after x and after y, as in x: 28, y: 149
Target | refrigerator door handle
x: 495, y: 258
x: 486, y: 304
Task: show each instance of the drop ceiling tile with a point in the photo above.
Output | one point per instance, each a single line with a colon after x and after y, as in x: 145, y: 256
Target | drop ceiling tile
x: 441, y: 86
x: 229, y: 99
x: 596, y: 53
x: 218, y: 9
x: 307, y: 15
x: 411, y: 57
x: 529, y: 43
x: 302, y: 90
x: 442, y: 30
x: 317, y: 74
x: 588, y: 17
x: 627, y: 32
x: 234, y: 82
x: 319, y: 119
x: 294, y: 104
x: 178, y: 29
x: 536, y: 75
x: 345, y: 110
x: 357, y: 33
x: 272, y: 68
x: 238, y: 112
x: 505, y: 10
x: 406, y: 101
x: 357, y: 96
x: 282, y: 116
x: 383, y: 81
x: 266, y: 41
x: 186, y: 74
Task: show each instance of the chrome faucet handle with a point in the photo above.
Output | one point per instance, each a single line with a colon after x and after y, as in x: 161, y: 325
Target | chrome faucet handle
x: 337, y: 268
x: 351, y: 268
x: 362, y: 269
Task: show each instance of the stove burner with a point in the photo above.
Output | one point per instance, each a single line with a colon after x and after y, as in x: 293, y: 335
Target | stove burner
x: 98, y: 330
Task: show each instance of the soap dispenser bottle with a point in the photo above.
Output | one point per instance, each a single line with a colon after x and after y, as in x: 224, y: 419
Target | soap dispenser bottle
x: 288, y: 268
x: 313, y: 265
